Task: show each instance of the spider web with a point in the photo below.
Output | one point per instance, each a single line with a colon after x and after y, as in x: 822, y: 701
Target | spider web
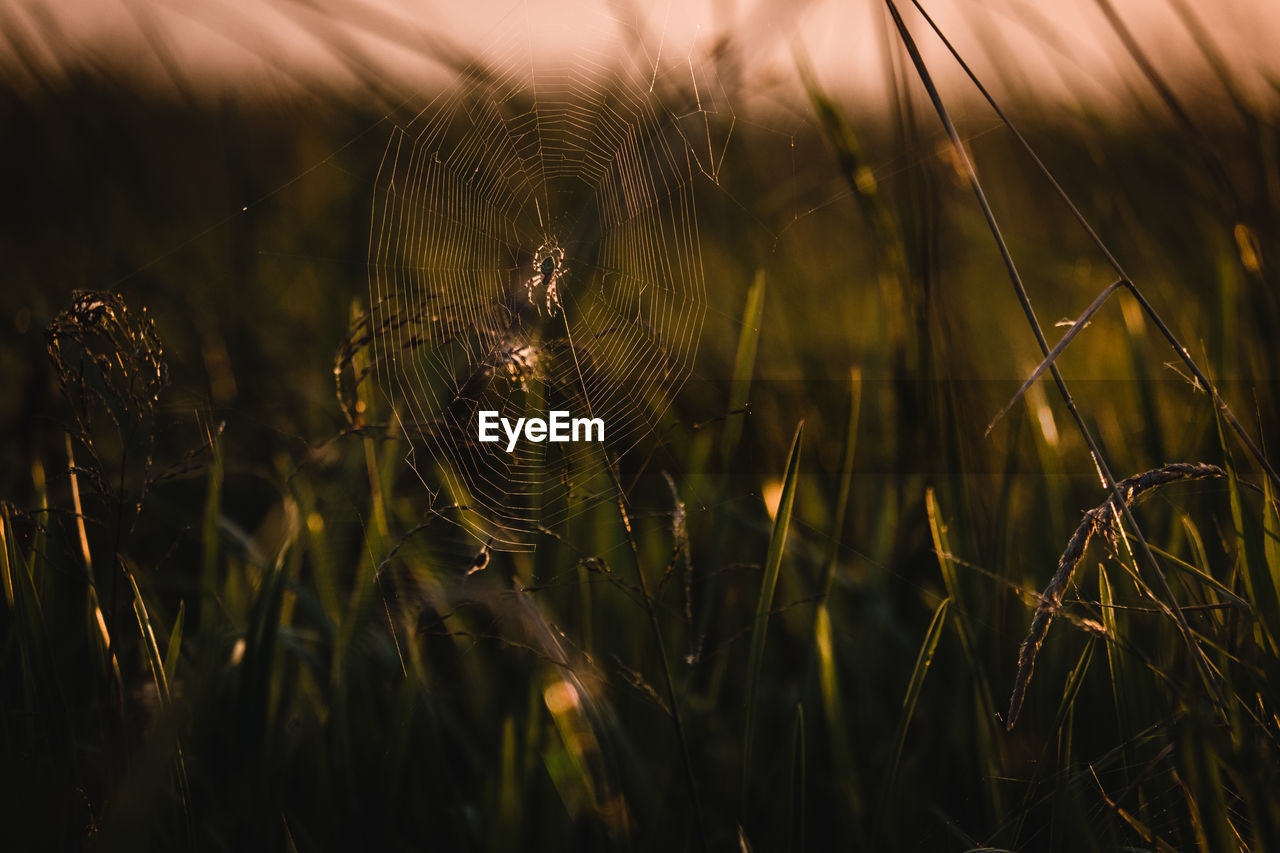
x: 534, y: 246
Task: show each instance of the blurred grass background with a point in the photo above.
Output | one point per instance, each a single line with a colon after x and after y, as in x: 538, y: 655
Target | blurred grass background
x: 229, y: 621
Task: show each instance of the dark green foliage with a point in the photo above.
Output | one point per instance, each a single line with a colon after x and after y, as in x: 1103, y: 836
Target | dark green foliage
x: 232, y: 619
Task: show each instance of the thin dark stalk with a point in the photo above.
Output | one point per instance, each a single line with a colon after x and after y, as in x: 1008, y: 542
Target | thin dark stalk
x: 699, y: 826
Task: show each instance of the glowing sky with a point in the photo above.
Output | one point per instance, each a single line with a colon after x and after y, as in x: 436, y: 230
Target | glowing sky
x: 1064, y: 50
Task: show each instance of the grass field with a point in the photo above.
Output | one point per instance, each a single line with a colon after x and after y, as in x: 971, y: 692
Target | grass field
x: 794, y: 619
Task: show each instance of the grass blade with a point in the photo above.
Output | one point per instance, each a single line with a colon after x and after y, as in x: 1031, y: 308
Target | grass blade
x: 823, y: 639
x: 1271, y: 534
x: 6, y: 573
x: 656, y: 628
x: 797, y: 786
x: 773, y: 562
x: 209, y: 537
x: 147, y: 632
x: 173, y: 649
x: 1076, y: 327
x: 1117, y: 666
x: 984, y: 703
x: 921, y: 669
x: 846, y: 481
x: 1069, y: 692
x: 159, y: 666
x: 744, y: 362
x: 1143, y: 831
x: 1257, y: 577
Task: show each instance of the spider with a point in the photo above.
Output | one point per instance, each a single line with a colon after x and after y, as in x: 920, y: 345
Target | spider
x: 549, y: 268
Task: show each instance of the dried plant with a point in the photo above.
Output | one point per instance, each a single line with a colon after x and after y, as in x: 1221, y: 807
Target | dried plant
x: 1104, y: 519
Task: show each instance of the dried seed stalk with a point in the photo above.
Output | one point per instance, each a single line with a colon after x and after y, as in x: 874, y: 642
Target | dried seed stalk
x: 1098, y: 519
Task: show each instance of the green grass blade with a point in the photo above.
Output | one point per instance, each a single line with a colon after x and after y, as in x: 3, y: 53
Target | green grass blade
x: 28, y: 628
x: 319, y: 550
x: 983, y: 702
x: 1137, y: 825
x: 258, y: 663
x: 1259, y: 586
x: 1199, y: 573
x: 507, y: 831
x: 921, y: 669
x: 1195, y: 541
x: 1118, y: 667
x: 1199, y: 759
x: 1271, y: 534
x: 858, y: 171
x: 744, y: 362
x: 797, y: 786
x: 846, y: 480
x: 210, y: 539
x: 173, y: 649
x: 1072, y: 689
x: 148, y: 634
x: 823, y: 639
x: 773, y: 562
x: 6, y: 573
x: 159, y: 668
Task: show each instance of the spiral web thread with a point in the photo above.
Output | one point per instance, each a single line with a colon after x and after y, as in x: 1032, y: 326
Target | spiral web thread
x: 534, y: 246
